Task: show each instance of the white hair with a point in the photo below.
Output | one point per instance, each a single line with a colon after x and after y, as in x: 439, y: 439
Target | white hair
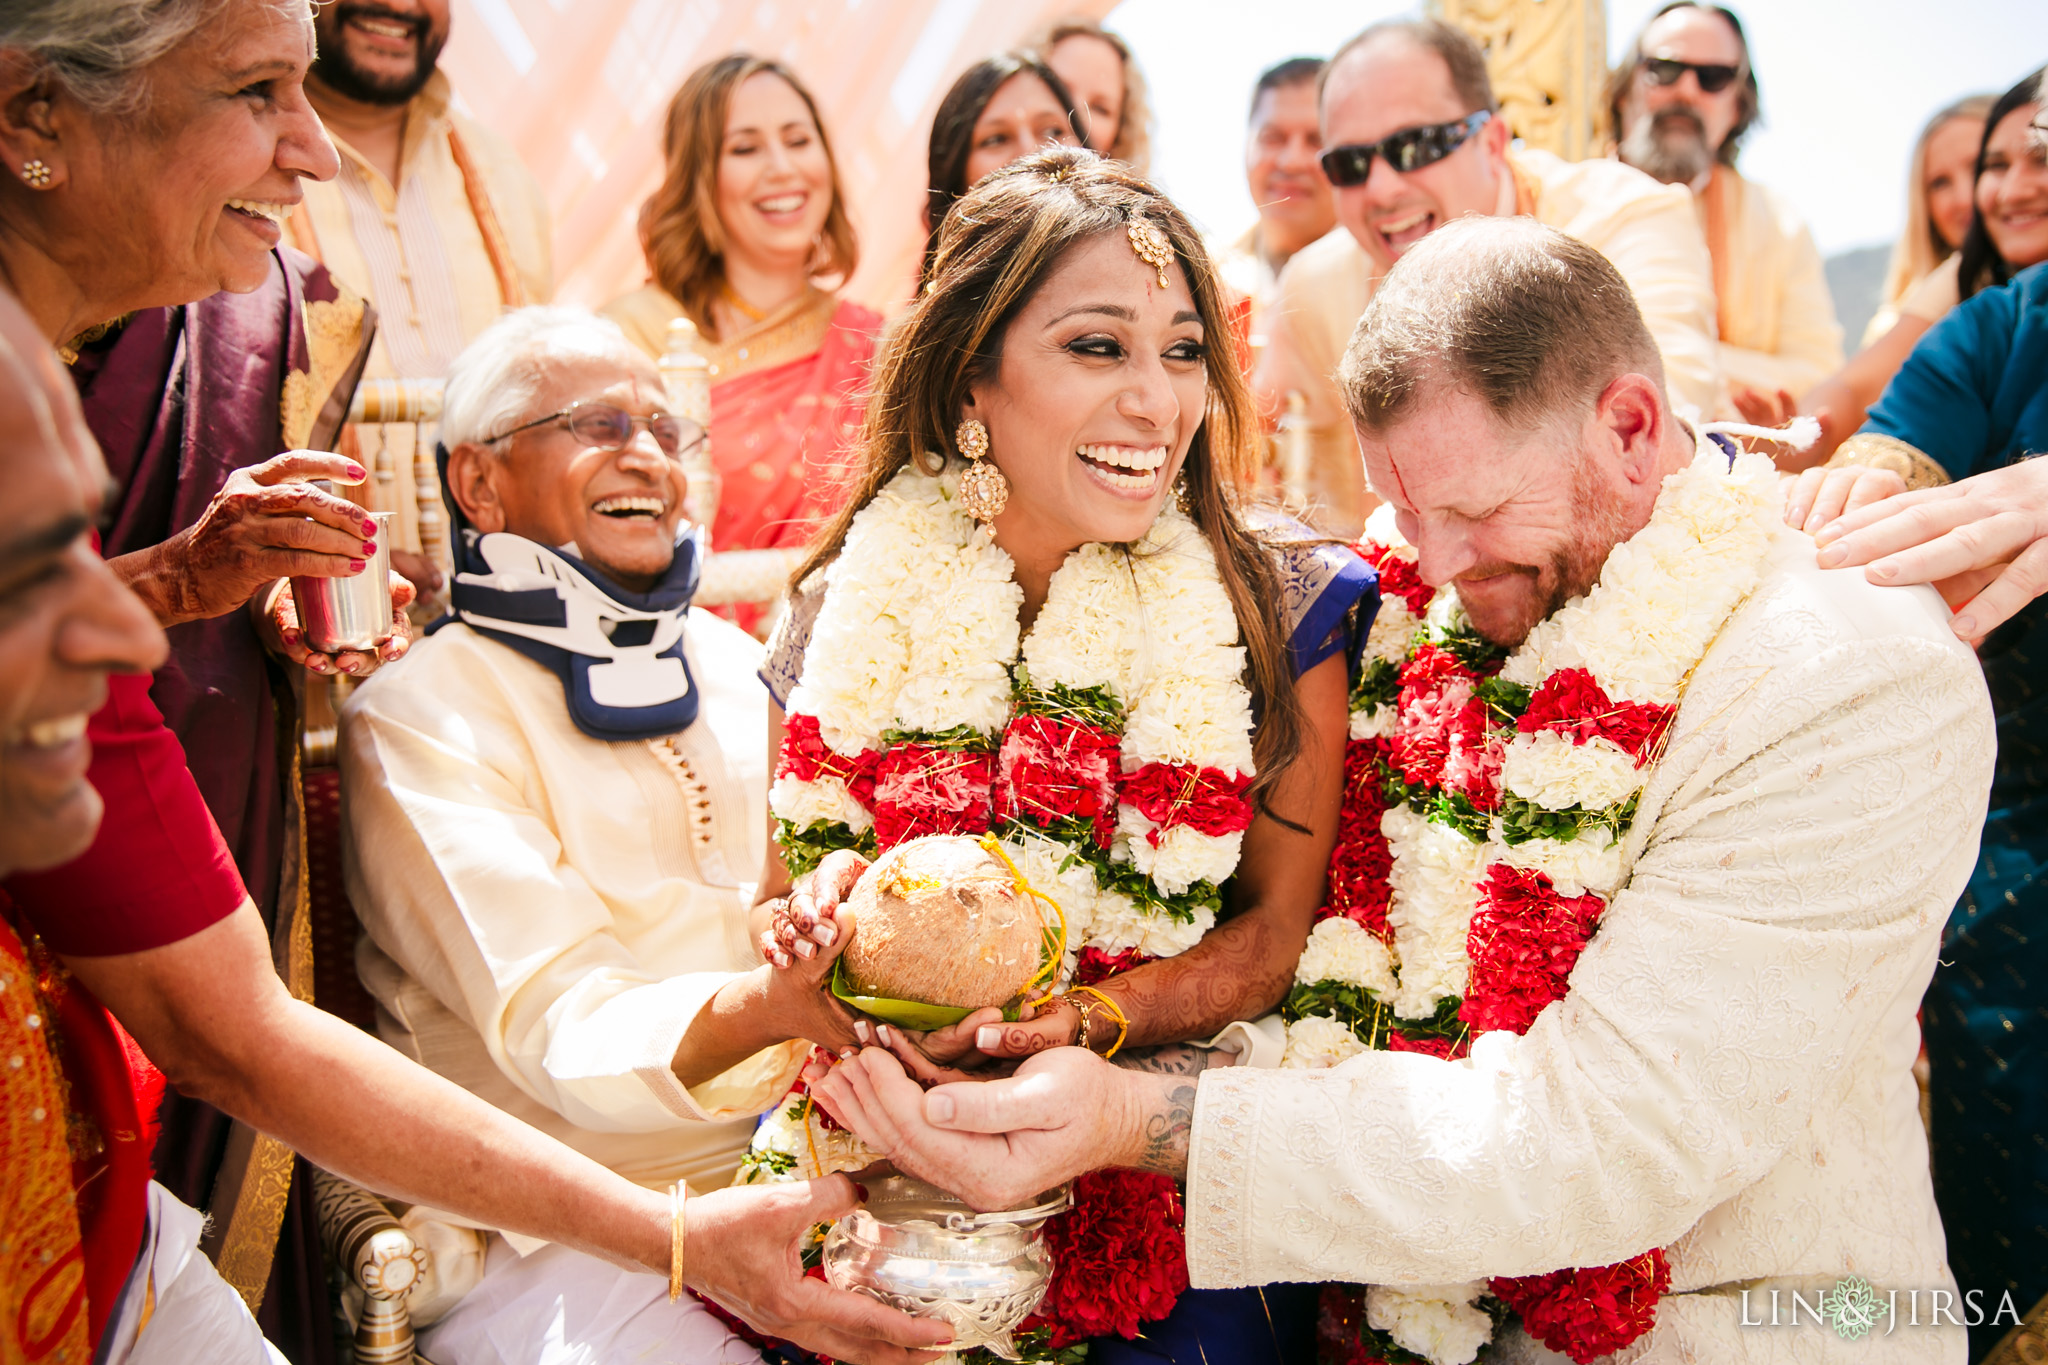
x: 99, y: 49
x: 491, y: 385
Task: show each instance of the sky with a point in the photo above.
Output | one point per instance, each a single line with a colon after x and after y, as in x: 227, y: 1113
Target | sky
x: 1846, y: 87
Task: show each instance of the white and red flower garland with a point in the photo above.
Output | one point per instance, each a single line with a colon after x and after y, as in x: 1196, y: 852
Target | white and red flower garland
x: 1487, y: 800
x: 1110, y: 748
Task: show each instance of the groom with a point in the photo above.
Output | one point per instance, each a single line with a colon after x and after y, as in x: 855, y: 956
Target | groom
x: 1729, y: 1075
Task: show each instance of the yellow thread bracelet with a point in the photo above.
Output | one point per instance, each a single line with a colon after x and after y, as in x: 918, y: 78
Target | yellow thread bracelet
x: 1123, y: 1022
x: 1052, y: 964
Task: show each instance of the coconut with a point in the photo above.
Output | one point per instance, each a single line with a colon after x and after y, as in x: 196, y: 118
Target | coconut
x: 941, y: 921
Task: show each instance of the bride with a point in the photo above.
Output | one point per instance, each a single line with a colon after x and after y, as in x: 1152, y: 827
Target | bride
x: 1045, y: 614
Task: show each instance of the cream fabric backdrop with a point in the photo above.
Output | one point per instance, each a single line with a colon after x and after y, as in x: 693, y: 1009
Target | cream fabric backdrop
x: 581, y: 87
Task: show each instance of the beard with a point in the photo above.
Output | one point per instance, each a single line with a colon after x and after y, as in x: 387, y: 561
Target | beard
x: 1671, y: 145
x: 1605, y: 521
x: 338, y: 71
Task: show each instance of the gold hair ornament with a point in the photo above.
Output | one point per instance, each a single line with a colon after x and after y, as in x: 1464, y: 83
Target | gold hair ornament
x: 1152, y: 245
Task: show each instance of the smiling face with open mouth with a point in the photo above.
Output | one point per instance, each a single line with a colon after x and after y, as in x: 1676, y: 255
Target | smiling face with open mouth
x: 619, y: 508
x: 65, y: 622
x: 774, y: 177
x: 1100, y: 388
x: 1387, y: 86
x: 380, y: 51
x: 190, y: 199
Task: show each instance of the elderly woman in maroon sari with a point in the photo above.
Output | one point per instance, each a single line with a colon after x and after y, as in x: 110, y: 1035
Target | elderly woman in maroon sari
x: 747, y: 221
x: 149, y: 151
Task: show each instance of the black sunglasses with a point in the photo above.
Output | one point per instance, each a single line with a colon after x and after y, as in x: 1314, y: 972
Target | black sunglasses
x: 1666, y: 71
x: 1408, y: 150
x: 610, y: 427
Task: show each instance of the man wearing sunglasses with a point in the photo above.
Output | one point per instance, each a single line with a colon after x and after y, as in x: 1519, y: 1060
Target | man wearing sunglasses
x: 1682, y: 107
x: 1412, y: 139
x: 550, y: 813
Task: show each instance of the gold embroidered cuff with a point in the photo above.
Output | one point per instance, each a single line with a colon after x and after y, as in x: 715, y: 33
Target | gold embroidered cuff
x: 1872, y: 451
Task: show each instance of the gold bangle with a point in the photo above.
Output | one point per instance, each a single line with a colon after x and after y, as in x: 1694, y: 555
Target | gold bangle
x: 678, y: 1199
x: 1123, y: 1022
x: 1086, y: 1009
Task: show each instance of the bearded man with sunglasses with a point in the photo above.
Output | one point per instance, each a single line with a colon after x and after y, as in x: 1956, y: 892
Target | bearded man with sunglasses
x: 552, y: 815
x: 1412, y: 140
x: 1681, y: 108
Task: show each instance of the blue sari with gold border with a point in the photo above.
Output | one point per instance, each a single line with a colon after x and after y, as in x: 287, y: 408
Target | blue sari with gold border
x: 1973, y: 397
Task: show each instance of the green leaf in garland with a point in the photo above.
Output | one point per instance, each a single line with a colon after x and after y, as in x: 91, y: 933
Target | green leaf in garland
x: 803, y: 849
x: 1505, y: 701
x: 1522, y: 820
x: 964, y: 738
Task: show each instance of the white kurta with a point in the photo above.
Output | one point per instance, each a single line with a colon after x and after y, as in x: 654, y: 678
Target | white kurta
x: 1730, y: 1074
x: 546, y: 912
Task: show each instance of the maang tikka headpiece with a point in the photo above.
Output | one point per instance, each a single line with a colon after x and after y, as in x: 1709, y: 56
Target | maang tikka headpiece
x: 1153, y: 246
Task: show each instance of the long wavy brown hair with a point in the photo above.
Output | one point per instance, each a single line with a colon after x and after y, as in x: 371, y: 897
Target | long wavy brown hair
x: 994, y: 249
x: 681, y: 231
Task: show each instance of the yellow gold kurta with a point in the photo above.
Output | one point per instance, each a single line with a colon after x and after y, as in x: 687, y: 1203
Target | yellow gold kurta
x: 1646, y: 229
x: 546, y: 913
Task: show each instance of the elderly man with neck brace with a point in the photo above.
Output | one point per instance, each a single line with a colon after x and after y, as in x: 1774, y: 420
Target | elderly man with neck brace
x: 548, y: 816
x: 1723, y: 1075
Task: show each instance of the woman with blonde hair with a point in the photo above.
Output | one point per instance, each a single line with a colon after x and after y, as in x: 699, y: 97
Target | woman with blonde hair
x: 1099, y: 69
x: 747, y: 223
x: 1046, y: 617
x: 1938, y: 204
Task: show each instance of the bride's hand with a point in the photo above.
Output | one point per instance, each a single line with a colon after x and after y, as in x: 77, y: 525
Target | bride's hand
x: 807, y: 918
x: 930, y: 1064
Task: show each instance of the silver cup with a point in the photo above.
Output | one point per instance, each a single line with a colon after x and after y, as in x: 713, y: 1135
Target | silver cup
x: 917, y: 1248
x: 349, y: 613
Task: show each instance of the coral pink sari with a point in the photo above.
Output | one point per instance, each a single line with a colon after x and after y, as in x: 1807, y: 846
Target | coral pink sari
x: 787, y: 398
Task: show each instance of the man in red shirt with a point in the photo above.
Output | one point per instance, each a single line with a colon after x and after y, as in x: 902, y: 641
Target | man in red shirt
x: 97, y: 1258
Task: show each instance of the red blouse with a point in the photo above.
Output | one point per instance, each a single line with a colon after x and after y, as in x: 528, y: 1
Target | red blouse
x: 157, y: 872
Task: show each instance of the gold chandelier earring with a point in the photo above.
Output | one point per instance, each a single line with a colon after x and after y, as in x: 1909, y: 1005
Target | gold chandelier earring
x: 37, y: 173
x: 984, y: 492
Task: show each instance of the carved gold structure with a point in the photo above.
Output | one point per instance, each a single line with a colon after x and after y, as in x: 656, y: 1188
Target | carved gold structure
x: 1548, y: 60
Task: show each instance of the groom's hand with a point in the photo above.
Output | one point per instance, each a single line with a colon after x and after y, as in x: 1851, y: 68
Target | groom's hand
x: 997, y: 1143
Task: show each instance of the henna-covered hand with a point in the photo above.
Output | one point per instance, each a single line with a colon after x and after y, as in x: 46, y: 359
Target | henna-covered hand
x: 807, y: 918
x: 266, y: 523
x: 277, y: 625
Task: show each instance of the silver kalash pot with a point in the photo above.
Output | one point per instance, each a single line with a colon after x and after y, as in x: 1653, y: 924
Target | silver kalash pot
x: 917, y: 1248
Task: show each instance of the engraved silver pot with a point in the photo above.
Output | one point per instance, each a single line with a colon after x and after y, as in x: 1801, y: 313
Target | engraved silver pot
x: 917, y: 1248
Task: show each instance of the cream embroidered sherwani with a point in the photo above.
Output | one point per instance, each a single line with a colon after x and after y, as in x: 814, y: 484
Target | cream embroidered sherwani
x: 1648, y: 230
x: 1776, y: 318
x: 418, y: 251
x: 545, y: 913
x: 1730, y: 1076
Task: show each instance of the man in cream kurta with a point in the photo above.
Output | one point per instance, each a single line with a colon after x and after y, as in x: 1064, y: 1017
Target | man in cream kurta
x: 1400, y: 76
x: 1729, y: 1075
x: 433, y: 218
x: 1776, y: 316
x: 551, y: 832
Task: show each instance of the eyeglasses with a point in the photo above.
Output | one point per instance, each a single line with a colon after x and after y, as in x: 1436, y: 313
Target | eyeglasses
x: 1665, y: 71
x: 610, y: 427
x: 1408, y: 150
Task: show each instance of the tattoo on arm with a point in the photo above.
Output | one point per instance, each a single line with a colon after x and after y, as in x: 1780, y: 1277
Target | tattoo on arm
x: 1167, y: 1127
x: 1238, y: 971
x: 1174, y: 1059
